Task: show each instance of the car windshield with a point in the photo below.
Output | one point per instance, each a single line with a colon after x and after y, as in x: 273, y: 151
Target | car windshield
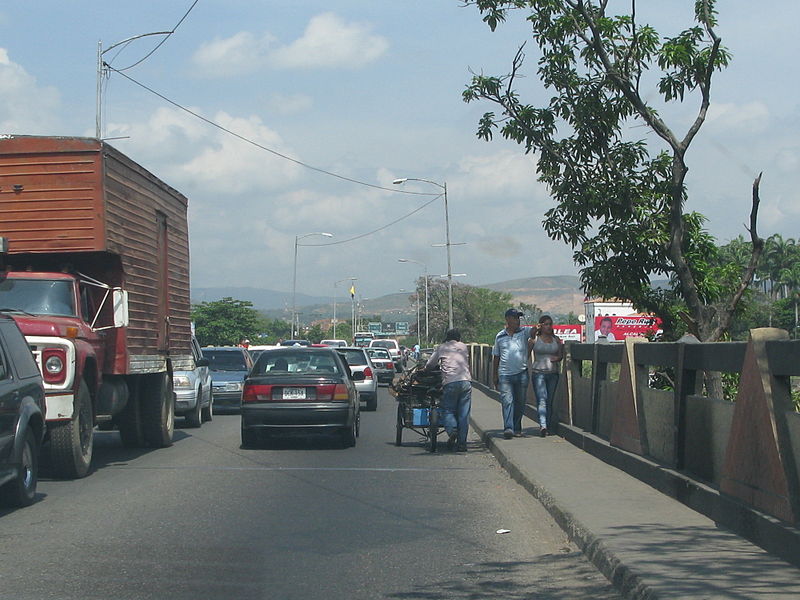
x: 38, y: 296
x: 225, y: 360
x: 291, y: 363
x: 378, y: 353
x: 354, y: 358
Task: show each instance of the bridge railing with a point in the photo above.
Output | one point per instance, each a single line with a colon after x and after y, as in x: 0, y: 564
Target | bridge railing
x: 747, y: 449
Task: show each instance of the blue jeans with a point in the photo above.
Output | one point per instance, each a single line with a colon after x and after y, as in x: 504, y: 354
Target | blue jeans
x: 544, y: 386
x: 456, y: 404
x: 513, y: 389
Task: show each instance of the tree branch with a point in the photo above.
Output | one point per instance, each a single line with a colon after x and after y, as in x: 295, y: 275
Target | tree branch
x: 747, y: 277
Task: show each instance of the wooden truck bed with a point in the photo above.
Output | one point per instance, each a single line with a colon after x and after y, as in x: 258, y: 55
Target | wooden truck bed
x: 79, y: 201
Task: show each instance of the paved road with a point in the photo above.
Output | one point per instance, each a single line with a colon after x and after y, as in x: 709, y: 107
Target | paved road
x: 302, y: 519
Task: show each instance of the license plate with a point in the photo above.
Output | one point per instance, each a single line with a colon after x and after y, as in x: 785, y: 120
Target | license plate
x: 294, y: 393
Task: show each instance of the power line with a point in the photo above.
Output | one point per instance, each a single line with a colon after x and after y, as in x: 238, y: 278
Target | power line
x: 358, y: 237
x: 166, y: 37
x: 270, y: 150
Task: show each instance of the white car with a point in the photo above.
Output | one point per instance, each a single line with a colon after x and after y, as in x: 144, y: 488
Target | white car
x: 333, y: 343
x: 193, y: 395
x: 391, y: 345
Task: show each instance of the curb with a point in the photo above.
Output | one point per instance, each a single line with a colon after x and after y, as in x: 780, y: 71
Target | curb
x: 624, y: 578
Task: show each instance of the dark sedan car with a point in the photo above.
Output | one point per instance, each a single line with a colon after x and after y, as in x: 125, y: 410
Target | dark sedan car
x: 300, y: 388
x: 22, y: 407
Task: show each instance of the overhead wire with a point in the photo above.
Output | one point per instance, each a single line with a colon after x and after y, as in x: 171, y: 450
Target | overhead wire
x: 265, y: 148
x: 363, y: 235
x: 166, y: 37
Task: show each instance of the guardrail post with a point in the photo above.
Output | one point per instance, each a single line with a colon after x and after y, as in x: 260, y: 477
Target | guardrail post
x: 626, y: 428
x: 687, y: 383
x: 759, y: 466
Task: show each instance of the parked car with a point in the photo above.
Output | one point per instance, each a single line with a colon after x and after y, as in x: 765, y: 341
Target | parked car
x: 229, y: 366
x: 305, y: 388
x: 334, y: 343
x: 255, y: 351
x: 22, y: 414
x: 194, y: 399
x: 383, y: 364
x: 359, y: 362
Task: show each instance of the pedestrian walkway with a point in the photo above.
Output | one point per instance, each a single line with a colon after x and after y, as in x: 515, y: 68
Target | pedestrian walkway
x: 646, y: 543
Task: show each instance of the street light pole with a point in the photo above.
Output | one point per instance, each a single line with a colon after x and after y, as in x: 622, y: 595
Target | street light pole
x: 297, y: 238
x: 335, y: 283
x: 425, y: 267
x: 100, y: 65
x: 443, y: 187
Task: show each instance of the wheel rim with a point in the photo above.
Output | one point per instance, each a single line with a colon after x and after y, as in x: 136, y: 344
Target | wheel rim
x: 85, y: 427
x: 27, y: 467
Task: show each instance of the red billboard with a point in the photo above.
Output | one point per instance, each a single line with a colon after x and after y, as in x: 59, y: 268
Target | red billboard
x: 569, y: 333
x: 616, y: 329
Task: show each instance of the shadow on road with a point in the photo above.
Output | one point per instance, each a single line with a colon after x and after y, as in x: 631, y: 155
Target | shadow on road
x: 549, y: 577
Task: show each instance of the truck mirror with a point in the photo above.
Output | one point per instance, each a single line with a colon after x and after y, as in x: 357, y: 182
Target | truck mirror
x: 120, y: 301
x: 202, y: 362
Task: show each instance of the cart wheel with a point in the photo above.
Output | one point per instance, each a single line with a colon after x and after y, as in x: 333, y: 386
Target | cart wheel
x: 398, y: 440
x: 433, y: 427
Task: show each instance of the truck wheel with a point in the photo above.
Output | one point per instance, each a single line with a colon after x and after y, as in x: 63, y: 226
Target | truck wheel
x: 195, y: 417
x: 208, y: 411
x: 372, y: 403
x: 158, y: 410
x: 71, y: 441
x: 21, y: 491
x: 129, y: 421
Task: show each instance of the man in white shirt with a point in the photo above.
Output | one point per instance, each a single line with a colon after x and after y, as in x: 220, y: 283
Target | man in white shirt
x: 453, y: 358
x: 510, y: 360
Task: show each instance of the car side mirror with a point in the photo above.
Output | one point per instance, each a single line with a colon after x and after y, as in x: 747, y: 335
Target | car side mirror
x: 359, y: 376
x: 202, y: 362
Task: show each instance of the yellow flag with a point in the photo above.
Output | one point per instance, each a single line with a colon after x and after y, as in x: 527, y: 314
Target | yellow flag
x: 353, y: 291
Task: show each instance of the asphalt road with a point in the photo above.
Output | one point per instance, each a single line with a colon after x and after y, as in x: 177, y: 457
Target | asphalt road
x: 303, y: 518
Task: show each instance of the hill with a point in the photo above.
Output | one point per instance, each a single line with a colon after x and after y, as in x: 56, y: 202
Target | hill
x: 557, y: 295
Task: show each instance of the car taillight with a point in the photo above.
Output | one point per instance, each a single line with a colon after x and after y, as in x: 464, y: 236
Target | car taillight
x: 54, y: 362
x: 333, y: 392
x: 367, y: 373
x: 256, y: 393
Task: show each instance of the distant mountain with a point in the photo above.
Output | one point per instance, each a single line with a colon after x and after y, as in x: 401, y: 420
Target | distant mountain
x: 559, y: 294
x: 261, y: 299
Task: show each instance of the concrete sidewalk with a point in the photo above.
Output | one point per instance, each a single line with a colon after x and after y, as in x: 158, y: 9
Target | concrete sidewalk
x: 646, y: 543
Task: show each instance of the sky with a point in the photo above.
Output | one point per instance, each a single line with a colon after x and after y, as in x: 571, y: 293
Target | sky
x: 371, y: 90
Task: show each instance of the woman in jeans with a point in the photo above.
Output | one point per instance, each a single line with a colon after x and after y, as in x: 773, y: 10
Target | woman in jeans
x: 547, y: 354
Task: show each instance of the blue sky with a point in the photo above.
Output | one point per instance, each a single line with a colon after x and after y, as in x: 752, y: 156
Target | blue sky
x: 370, y: 90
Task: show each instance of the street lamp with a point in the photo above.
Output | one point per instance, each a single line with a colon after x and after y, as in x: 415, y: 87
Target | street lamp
x: 335, y: 283
x: 443, y: 187
x: 100, y: 67
x: 425, y: 267
x: 297, y: 238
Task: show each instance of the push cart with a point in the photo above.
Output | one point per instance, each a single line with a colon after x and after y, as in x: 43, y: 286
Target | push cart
x: 418, y: 393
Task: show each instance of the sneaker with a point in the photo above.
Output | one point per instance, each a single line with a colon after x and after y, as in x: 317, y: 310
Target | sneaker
x: 461, y: 448
x: 519, y: 434
x: 451, y: 440
x: 508, y: 434
x: 543, y: 432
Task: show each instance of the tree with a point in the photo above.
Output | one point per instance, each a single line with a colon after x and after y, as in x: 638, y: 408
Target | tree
x: 477, y: 312
x: 225, y: 322
x: 620, y: 201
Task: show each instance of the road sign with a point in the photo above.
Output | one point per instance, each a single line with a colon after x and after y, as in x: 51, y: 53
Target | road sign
x: 374, y: 327
x: 388, y: 328
x: 401, y: 327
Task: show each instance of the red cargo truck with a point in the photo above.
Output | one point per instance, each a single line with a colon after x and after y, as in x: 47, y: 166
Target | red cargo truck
x: 95, y: 271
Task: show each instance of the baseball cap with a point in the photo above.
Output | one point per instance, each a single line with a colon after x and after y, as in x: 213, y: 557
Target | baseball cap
x: 513, y: 312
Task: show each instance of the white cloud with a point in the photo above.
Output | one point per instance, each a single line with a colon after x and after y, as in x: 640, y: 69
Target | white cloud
x: 496, y: 177
x: 241, y: 53
x: 751, y: 117
x: 25, y: 106
x: 327, y: 42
